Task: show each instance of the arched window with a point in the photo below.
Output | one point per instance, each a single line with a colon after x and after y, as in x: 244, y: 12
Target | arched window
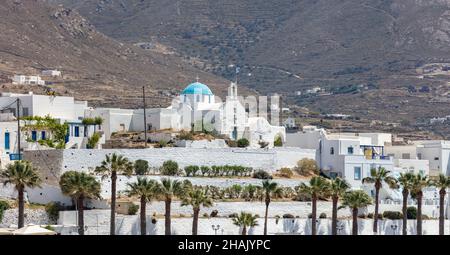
x: 198, y: 98
x: 332, y: 150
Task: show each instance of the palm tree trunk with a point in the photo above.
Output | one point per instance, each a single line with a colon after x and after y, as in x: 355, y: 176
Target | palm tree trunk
x: 441, y: 211
x: 314, y: 215
x: 419, y: 213
x: 334, y: 216
x: 265, y: 218
x: 143, y: 217
x: 167, y: 216
x: 80, y: 202
x: 195, y: 221
x: 21, y: 208
x: 244, y: 230
x: 113, y: 203
x: 355, y: 222
x: 405, y: 212
x: 375, y: 216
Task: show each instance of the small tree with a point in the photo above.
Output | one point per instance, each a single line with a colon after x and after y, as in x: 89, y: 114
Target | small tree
x: 170, y: 168
x: 141, y: 167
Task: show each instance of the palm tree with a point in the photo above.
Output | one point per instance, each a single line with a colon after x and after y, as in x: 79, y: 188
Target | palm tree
x: 145, y: 190
x: 167, y: 189
x: 270, y: 189
x: 338, y: 187
x: 245, y: 220
x: 442, y: 183
x: 79, y: 186
x: 318, y: 187
x: 22, y: 175
x: 196, y: 197
x: 112, y: 166
x: 405, y: 181
x: 377, y: 177
x: 419, y: 183
x: 355, y: 200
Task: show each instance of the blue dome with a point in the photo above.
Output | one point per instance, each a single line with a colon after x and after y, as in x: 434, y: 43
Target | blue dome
x: 197, y: 88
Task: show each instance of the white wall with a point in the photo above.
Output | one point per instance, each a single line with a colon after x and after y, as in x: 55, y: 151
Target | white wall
x: 269, y: 160
x: 97, y: 223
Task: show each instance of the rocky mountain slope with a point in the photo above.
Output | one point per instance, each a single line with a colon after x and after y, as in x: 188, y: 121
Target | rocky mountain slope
x: 37, y: 36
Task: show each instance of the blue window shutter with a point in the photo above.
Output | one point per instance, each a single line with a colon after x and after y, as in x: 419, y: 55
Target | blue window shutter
x: 77, y: 131
x: 33, y: 135
x: 7, y: 141
x: 43, y: 135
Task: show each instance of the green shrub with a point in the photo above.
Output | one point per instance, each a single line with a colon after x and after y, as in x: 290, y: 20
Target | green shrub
x: 161, y: 144
x: 214, y: 213
x: 242, y: 143
x: 93, y: 140
x: 205, y: 170
x: 288, y: 216
x: 48, y: 227
x: 307, y: 167
x: 170, y: 168
x: 133, y: 209
x: 4, y: 205
x: 392, y: 215
x: 52, y: 209
x: 323, y: 216
x: 370, y: 216
x: 261, y: 174
x: 411, y: 213
x: 278, y: 141
x: 231, y: 143
x: 191, y: 170
x: 286, y: 172
x: 141, y: 167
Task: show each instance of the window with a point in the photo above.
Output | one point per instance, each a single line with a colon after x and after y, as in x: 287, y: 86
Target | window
x: 350, y: 150
x: 406, y: 156
x: 436, y: 158
x: 34, y: 136
x: 43, y: 135
x: 77, y: 131
x: 7, y: 142
x: 419, y: 155
x: 198, y: 98
x: 332, y: 150
x: 357, y: 173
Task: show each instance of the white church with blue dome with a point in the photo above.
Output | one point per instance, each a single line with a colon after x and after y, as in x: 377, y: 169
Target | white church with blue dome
x: 196, y: 108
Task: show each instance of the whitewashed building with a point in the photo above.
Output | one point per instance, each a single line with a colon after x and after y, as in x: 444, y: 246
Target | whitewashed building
x: 27, y: 80
x: 195, y: 108
x: 347, y: 155
x: 52, y: 73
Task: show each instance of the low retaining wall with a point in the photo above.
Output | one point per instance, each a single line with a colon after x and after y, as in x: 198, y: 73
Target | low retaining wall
x: 97, y: 223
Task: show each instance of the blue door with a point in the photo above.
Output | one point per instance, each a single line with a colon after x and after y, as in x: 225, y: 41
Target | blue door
x: 77, y: 131
x: 33, y: 135
x: 7, y: 142
x: 43, y: 135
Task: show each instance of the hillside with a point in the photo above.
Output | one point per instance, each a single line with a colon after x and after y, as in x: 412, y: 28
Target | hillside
x: 368, y: 51
x: 36, y: 36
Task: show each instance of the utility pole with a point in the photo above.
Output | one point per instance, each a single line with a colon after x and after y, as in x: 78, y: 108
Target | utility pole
x: 18, y: 128
x: 145, y: 116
